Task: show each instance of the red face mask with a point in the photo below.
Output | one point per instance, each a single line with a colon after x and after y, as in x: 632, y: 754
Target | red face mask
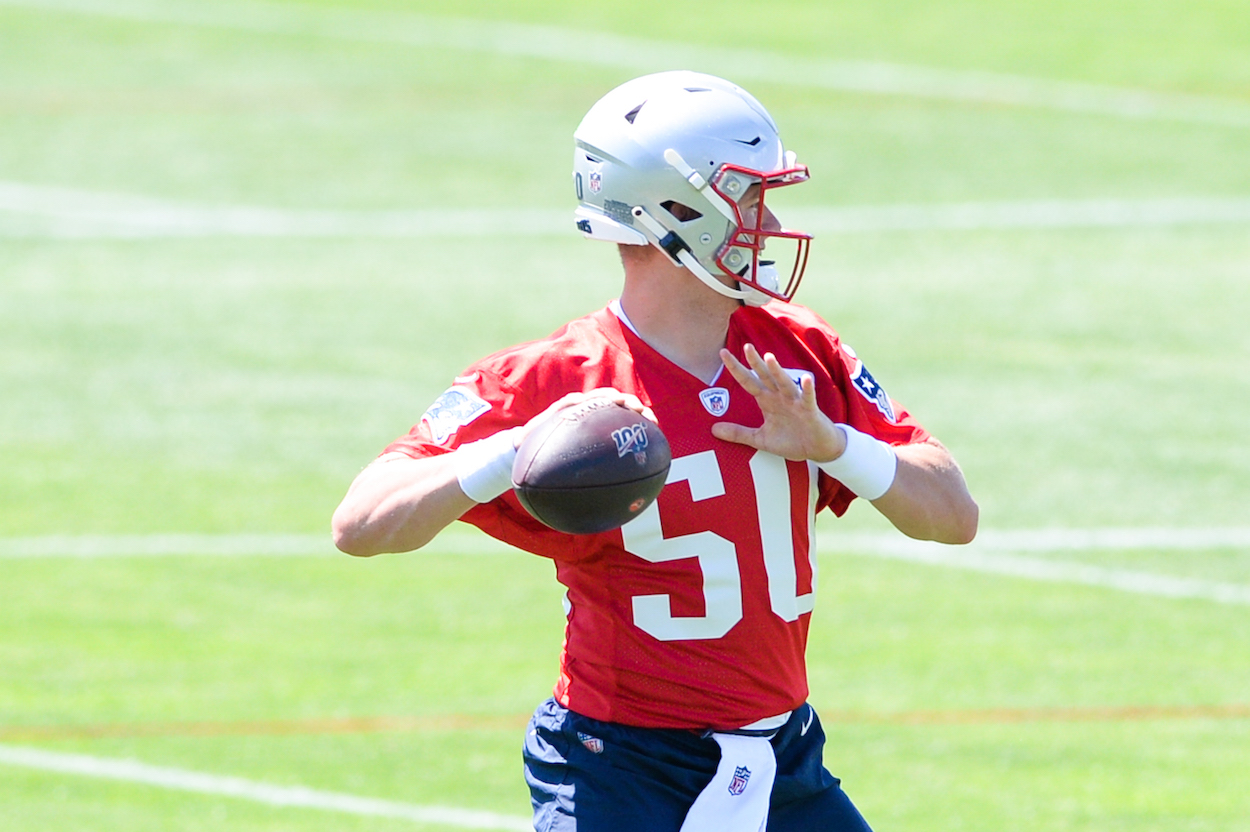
x: 756, y: 225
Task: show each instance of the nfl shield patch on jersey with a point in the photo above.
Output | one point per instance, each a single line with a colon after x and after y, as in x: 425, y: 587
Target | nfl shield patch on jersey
x: 715, y: 400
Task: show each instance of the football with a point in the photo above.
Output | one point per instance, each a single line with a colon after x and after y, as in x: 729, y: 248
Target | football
x: 591, y: 467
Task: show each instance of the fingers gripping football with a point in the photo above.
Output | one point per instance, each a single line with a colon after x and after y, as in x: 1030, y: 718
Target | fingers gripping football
x: 592, y: 464
x: 794, y: 427
x: 627, y: 400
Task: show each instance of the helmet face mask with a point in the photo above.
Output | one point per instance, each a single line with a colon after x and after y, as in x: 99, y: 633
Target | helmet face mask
x: 683, y: 161
x: 741, y: 254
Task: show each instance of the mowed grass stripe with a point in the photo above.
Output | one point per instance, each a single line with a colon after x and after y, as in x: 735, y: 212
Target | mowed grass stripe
x: 471, y: 722
x: 638, y: 54
x: 274, y: 795
x: 270, y: 727
x: 462, y: 539
x: 57, y: 212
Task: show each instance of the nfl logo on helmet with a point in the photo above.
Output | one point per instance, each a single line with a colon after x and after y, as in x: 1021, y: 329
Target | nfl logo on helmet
x: 738, y: 784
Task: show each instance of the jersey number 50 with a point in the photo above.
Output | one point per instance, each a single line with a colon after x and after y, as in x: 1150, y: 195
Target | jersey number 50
x: 718, y: 556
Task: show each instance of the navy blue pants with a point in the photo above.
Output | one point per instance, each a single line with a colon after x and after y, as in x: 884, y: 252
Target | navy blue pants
x: 590, y: 776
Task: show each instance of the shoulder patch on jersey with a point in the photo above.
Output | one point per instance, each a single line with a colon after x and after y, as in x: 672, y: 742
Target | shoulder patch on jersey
x: 453, y: 410
x: 870, y: 390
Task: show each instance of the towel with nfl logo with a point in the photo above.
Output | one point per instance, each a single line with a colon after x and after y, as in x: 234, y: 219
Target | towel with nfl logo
x: 737, y: 798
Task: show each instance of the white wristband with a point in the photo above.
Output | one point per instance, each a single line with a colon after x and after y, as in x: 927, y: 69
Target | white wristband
x: 484, y: 468
x: 867, y: 466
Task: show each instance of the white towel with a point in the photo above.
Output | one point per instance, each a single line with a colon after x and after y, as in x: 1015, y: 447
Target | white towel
x: 737, y: 798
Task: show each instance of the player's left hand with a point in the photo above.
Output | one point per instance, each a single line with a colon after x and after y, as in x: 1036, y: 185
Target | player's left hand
x: 794, y: 427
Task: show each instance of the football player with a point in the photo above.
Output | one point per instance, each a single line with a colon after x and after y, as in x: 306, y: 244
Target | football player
x: 681, y: 702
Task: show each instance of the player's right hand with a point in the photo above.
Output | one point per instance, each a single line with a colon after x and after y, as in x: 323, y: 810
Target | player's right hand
x: 569, y: 400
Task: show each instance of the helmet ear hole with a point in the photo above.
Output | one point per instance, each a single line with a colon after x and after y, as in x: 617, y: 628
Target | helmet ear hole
x: 681, y: 213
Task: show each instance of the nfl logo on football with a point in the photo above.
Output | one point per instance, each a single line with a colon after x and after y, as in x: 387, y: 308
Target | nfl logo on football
x: 738, y: 785
x: 632, y: 440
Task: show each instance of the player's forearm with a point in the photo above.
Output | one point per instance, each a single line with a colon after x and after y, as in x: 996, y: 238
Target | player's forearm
x: 929, y: 499
x: 398, y: 505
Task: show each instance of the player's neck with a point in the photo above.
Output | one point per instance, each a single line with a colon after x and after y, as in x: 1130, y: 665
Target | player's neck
x: 679, y: 318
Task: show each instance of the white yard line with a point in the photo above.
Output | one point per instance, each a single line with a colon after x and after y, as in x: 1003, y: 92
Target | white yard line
x: 641, y: 55
x: 1000, y: 553
x: 51, y: 211
x: 1024, y: 215
x: 37, y: 211
x: 454, y: 541
x: 131, y: 771
x: 1078, y: 540
x: 161, y: 545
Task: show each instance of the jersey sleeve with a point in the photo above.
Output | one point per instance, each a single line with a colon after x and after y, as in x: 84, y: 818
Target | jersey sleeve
x: 870, y: 409
x: 864, y: 405
x: 479, y: 404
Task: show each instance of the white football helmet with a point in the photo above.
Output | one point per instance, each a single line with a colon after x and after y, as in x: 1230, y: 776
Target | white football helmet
x: 677, y: 160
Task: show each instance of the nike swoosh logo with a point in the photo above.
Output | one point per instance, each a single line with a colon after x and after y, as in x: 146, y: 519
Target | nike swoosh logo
x: 811, y: 715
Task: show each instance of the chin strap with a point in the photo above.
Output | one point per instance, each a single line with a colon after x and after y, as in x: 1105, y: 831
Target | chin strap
x: 677, y: 250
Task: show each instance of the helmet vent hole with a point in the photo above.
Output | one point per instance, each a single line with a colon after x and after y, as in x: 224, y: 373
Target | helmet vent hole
x: 633, y: 114
x: 681, y: 213
x: 751, y: 143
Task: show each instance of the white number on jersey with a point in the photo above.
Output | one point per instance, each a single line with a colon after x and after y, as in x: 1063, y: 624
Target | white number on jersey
x: 717, y: 556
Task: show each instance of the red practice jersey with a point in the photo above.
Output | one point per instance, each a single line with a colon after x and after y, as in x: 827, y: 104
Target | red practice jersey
x: 695, y: 614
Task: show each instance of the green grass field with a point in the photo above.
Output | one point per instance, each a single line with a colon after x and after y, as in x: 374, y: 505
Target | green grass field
x: 170, y: 367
